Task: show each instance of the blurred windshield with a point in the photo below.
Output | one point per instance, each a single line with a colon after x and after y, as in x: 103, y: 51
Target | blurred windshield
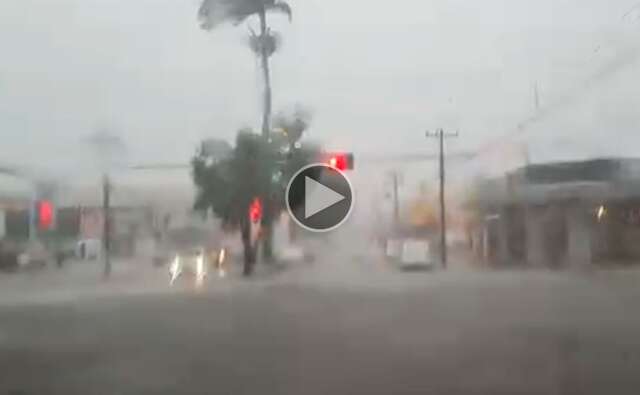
x: 417, y: 196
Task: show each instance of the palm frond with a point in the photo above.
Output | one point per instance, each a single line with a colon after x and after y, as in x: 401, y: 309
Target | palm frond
x: 213, y: 13
x: 279, y: 6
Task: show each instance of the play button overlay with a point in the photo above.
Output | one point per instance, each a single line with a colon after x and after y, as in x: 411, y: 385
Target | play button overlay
x: 319, y: 197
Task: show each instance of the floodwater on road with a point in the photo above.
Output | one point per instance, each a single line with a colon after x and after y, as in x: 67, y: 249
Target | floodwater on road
x: 339, y: 327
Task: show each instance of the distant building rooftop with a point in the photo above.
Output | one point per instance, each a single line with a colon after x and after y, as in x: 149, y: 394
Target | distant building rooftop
x: 136, y: 188
x: 596, y: 179
x: 14, y: 190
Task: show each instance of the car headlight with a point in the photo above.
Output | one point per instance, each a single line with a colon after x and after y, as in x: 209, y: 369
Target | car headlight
x: 175, y: 264
x: 200, y: 263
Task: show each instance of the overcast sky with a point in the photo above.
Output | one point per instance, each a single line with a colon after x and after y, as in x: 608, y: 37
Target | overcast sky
x: 375, y: 75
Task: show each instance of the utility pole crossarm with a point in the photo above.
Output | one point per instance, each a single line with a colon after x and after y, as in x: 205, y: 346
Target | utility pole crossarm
x: 438, y: 132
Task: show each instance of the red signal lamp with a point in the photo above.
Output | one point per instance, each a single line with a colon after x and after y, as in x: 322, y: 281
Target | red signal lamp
x: 45, y: 214
x: 339, y: 160
x: 255, y: 210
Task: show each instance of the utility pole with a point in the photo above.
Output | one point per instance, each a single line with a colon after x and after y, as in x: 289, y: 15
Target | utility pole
x: 440, y: 134
x: 32, y: 214
x: 106, y: 213
x: 396, y: 204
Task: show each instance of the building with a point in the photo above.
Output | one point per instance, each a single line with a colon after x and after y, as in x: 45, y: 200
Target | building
x: 145, y: 205
x: 16, y: 194
x: 558, y: 214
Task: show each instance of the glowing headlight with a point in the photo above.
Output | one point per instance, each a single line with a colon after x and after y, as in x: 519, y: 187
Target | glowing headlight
x: 200, y: 271
x: 175, y: 264
x: 200, y: 264
x: 174, y: 269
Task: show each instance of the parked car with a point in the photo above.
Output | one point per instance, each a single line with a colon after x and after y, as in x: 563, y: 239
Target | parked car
x: 89, y: 249
x: 8, y: 257
x: 22, y: 257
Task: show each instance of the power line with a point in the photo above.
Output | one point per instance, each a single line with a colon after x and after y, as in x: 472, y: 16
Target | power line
x: 610, y: 68
x: 412, y: 157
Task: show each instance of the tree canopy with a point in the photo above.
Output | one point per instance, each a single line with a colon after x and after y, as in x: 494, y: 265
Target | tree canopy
x: 293, y: 123
x: 212, y: 13
x: 227, y: 186
x: 256, y: 168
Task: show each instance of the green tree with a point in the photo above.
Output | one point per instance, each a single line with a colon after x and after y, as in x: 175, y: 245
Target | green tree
x: 255, y: 168
x: 215, y: 12
x: 227, y: 186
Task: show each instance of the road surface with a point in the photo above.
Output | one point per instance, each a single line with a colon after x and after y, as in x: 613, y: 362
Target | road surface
x: 345, y: 325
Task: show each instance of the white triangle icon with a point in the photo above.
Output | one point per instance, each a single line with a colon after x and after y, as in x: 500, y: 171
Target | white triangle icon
x: 318, y: 197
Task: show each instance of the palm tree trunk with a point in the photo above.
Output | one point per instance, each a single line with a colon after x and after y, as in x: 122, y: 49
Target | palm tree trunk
x: 267, y: 222
x: 264, y: 59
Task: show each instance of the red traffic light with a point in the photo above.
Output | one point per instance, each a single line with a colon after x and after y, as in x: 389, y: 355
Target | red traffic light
x: 45, y: 214
x: 255, y: 210
x: 339, y: 160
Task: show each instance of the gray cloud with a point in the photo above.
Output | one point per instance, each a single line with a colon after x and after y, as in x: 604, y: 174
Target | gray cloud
x: 376, y: 76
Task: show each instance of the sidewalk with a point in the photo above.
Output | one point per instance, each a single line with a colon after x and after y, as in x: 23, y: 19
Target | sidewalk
x: 78, y: 279
x: 81, y: 280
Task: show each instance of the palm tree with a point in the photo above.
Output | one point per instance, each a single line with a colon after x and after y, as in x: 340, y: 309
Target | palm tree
x: 215, y: 12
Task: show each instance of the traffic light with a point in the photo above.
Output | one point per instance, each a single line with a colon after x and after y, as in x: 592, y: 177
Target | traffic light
x: 45, y: 213
x: 255, y: 210
x: 339, y: 160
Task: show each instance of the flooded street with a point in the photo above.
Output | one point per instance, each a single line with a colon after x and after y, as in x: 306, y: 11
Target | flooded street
x: 335, y: 327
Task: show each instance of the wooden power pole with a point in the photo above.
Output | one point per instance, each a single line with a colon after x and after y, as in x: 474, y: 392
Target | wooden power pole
x: 106, y: 213
x: 440, y: 134
x: 396, y: 203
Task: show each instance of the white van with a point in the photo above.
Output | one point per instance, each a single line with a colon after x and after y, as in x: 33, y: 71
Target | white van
x: 89, y: 249
x: 416, y: 254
